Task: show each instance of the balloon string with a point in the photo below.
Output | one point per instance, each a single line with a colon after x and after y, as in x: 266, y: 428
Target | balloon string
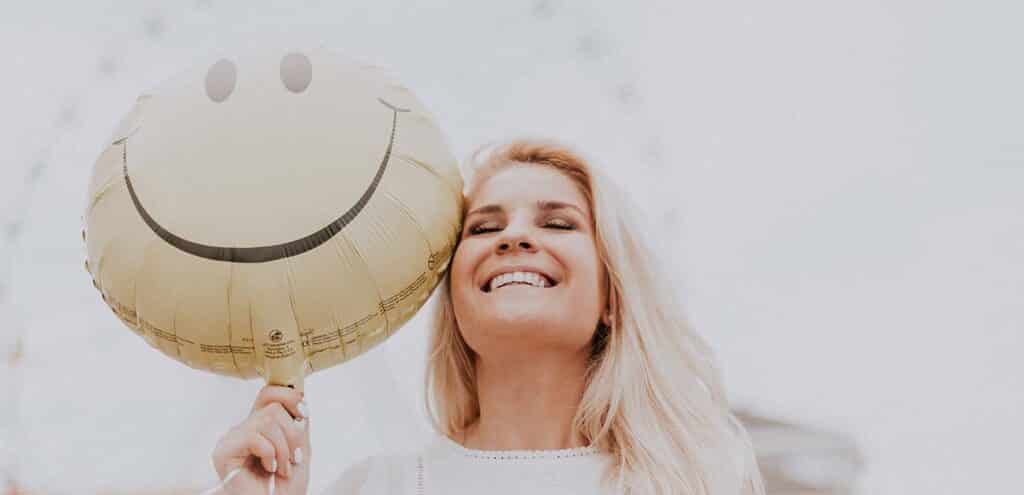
x: 232, y: 474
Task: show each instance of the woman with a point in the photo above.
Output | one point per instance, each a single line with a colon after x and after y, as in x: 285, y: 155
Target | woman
x: 559, y: 361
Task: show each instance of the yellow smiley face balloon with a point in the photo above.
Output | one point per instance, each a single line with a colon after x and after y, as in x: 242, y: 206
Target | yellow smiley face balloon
x: 272, y: 214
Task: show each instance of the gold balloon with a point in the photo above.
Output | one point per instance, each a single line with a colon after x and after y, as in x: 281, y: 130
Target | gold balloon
x: 272, y: 214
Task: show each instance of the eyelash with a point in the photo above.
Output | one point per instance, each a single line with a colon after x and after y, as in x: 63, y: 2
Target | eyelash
x: 554, y: 224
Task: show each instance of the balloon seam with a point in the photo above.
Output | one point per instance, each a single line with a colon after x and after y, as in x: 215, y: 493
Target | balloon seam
x: 380, y: 294
x: 405, y: 210
x: 231, y: 337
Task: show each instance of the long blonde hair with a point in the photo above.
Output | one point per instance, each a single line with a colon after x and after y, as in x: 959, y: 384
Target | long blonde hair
x: 654, y: 399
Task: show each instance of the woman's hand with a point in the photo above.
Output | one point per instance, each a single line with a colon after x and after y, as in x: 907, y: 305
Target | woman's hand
x: 273, y: 439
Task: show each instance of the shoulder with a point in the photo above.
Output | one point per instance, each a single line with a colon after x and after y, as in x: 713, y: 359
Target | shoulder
x: 379, y: 474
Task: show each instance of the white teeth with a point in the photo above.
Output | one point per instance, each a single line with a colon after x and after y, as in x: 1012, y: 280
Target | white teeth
x: 537, y: 280
x: 530, y: 278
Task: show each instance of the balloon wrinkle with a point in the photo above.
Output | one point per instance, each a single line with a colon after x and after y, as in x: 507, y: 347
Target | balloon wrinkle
x: 100, y: 193
x: 292, y: 306
x: 423, y: 165
x: 174, y: 326
x: 135, y: 291
x: 261, y: 364
x: 337, y: 328
x: 231, y: 340
x: 408, y: 213
x: 376, y: 285
x: 341, y: 257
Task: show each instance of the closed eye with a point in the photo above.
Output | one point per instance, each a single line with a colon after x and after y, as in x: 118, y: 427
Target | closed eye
x: 489, y: 227
x: 560, y: 224
x: 484, y: 228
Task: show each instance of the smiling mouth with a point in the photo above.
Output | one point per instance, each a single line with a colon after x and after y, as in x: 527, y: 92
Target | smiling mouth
x: 528, y: 279
x: 272, y: 252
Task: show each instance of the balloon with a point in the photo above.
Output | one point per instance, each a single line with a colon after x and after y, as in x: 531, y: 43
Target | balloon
x: 272, y: 214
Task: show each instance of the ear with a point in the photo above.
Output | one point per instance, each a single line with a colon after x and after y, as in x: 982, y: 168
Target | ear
x: 611, y: 303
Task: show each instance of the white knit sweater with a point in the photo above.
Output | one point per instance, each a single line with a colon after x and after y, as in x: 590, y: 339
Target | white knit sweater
x: 445, y: 467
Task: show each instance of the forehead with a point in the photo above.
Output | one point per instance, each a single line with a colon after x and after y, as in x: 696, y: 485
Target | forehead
x: 526, y: 184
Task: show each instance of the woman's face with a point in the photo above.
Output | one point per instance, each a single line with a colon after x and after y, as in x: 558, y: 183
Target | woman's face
x: 526, y: 274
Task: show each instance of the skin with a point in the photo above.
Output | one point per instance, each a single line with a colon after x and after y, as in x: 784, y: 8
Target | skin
x: 532, y: 344
x: 275, y: 434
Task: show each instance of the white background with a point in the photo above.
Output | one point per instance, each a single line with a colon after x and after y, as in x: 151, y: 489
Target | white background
x: 839, y: 186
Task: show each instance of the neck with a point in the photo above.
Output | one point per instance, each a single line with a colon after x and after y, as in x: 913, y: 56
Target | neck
x: 527, y: 402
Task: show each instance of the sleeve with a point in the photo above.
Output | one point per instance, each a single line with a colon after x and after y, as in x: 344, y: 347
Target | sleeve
x: 352, y: 480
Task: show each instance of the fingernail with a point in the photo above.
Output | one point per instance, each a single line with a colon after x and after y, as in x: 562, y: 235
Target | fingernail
x: 303, y: 409
x: 273, y: 466
x: 298, y: 455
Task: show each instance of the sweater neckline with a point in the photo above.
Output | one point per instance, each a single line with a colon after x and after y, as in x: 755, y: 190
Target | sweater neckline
x: 518, y: 454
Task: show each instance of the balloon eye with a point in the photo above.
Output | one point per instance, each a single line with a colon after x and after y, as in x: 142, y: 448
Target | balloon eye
x: 220, y: 80
x: 296, y: 72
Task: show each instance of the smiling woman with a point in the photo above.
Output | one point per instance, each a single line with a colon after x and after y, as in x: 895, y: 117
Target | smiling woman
x: 559, y: 359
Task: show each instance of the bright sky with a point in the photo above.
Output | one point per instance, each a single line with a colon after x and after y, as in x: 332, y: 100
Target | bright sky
x: 839, y: 187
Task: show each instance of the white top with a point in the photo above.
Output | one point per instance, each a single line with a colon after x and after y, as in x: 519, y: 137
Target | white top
x: 445, y: 467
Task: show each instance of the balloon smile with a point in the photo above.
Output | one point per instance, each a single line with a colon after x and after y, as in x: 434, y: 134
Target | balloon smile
x: 261, y: 254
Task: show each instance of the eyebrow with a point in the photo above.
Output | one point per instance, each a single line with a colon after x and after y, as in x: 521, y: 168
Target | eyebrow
x: 541, y: 205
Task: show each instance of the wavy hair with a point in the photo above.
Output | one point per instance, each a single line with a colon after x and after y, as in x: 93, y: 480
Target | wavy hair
x: 654, y: 397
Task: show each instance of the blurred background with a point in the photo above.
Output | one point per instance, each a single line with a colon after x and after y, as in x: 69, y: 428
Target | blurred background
x: 839, y: 186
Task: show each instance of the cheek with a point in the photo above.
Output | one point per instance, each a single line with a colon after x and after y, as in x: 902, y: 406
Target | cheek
x: 462, y: 264
x: 592, y: 274
x: 584, y: 260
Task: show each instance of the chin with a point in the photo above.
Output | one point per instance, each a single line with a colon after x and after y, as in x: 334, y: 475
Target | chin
x: 520, y: 324
x: 522, y: 309
x: 519, y: 318
x: 531, y: 330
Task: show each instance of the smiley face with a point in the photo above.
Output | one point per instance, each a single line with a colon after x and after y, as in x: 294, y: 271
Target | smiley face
x: 273, y: 213
x: 228, y: 156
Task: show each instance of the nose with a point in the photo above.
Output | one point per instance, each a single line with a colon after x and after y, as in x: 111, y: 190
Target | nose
x: 514, y: 243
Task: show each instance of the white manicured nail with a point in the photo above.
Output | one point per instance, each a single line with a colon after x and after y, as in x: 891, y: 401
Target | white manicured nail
x: 273, y: 466
x: 303, y: 409
x: 298, y: 455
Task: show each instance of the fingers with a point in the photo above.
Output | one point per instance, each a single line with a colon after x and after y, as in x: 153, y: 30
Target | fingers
x: 275, y: 436
x: 287, y: 435
x: 286, y: 396
x: 282, y: 458
x: 263, y: 449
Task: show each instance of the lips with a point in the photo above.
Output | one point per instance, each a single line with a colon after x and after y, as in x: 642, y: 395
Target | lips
x: 518, y: 276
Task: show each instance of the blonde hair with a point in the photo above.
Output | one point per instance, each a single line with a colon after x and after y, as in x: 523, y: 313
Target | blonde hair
x: 654, y: 399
